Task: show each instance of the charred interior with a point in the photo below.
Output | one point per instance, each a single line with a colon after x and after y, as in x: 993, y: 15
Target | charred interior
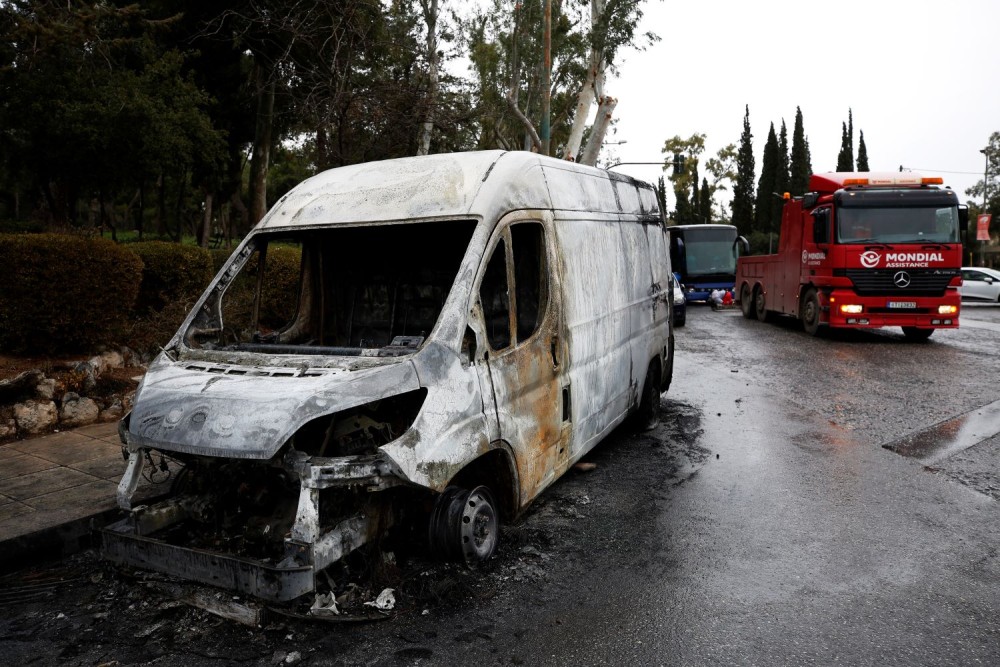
x: 342, y: 291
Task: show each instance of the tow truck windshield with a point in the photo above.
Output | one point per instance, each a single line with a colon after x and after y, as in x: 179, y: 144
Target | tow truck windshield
x: 903, y: 224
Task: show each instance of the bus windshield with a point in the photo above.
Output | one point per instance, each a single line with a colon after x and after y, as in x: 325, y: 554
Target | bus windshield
x: 710, y: 251
x: 909, y: 224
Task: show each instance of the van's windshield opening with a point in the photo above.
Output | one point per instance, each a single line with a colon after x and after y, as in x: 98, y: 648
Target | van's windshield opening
x: 372, y: 290
x: 901, y: 224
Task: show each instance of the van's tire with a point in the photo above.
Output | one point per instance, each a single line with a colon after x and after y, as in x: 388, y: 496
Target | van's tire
x: 809, y: 312
x: 679, y: 321
x: 746, y: 302
x: 648, y: 413
x: 917, y: 333
x: 760, y: 304
x: 465, y: 525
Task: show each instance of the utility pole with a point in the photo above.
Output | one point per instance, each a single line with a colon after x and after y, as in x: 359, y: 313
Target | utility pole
x: 546, y: 131
x: 986, y: 187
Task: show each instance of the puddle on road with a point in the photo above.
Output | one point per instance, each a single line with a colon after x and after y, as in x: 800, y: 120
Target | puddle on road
x: 950, y: 437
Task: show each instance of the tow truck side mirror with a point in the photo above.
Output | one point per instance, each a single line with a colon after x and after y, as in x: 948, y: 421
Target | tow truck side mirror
x: 963, y: 218
x: 821, y: 226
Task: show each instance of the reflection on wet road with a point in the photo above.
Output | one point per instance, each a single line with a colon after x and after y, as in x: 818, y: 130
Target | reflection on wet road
x: 950, y: 437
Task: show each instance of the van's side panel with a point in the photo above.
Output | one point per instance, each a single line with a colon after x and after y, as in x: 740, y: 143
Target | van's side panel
x: 594, y: 290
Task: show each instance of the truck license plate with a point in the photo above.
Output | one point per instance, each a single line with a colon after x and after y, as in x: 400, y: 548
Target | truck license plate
x: 902, y: 304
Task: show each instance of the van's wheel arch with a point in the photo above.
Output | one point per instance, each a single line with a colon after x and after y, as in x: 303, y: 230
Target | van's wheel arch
x: 747, y: 302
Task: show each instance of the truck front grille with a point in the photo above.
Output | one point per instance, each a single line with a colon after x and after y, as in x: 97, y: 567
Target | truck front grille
x: 882, y: 282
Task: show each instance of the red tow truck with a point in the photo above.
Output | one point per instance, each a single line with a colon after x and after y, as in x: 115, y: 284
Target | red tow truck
x: 862, y: 250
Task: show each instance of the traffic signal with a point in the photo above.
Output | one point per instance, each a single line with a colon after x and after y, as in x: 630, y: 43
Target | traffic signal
x: 678, y: 164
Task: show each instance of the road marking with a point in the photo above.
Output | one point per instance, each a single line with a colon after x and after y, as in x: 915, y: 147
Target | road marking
x: 934, y: 444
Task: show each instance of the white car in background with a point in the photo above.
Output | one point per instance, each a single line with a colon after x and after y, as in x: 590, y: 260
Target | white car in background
x: 980, y: 284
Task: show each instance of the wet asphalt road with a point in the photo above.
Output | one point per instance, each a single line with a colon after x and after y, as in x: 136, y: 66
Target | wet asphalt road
x: 762, y: 523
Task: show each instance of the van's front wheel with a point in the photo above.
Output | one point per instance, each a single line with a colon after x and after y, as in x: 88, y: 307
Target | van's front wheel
x: 465, y: 525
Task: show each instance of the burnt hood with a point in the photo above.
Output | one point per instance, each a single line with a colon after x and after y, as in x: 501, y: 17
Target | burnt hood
x: 249, y: 412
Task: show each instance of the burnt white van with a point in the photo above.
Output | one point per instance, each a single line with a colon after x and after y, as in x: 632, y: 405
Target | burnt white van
x: 426, y: 343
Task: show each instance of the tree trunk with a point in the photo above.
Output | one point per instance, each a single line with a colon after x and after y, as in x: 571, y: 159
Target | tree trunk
x: 241, y: 209
x: 605, y: 111
x: 161, y: 206
x: 430, y: 8
x: 178, y: 210
x: 205, y: 231
x: 593, y: 88
x: 259, y: 163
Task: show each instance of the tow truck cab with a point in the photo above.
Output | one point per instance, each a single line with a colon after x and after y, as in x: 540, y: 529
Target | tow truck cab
x: 863, y: 250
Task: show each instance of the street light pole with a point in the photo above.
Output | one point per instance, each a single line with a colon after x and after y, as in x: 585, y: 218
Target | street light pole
x: 986, y: 187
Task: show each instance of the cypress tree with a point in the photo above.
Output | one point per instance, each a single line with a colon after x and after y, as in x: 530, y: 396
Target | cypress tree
x: 850, y: 136
x: 781, y: 178
x: 845, y: 161
x: 766, y: 184
x: 682, y: 214
x: 705, y: 203
x: 862, y: 152
x: 743, y: 187
x: 801, y: 161
x: 695, y: 199
x: 661, y: 195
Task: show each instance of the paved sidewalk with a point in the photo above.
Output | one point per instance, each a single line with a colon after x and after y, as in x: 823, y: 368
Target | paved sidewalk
x: 51, y: 487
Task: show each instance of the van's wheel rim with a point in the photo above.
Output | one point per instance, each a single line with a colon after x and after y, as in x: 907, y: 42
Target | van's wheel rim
x: 479, y: 530
x: 464, y: 525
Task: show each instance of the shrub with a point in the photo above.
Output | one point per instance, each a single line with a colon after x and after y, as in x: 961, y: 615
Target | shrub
x: 64, y: 293
x: 171, y: 273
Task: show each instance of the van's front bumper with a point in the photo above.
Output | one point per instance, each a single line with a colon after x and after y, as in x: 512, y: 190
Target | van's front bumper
x: 308, y: 548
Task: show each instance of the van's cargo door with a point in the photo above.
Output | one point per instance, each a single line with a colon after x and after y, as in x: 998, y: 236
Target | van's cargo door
x: 522, y: 314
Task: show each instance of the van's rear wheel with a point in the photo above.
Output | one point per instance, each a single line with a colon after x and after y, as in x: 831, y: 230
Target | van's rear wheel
x: 917, y: 333
x: 465, y: 525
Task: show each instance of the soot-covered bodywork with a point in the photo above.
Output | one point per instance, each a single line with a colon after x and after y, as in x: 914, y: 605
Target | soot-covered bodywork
x: 394, y: 344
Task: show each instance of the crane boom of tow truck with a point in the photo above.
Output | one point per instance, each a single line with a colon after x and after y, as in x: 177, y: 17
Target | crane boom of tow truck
x: 862, y: 250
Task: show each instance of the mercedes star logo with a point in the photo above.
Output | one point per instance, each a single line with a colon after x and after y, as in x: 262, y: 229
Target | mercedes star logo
x: 901, y: 279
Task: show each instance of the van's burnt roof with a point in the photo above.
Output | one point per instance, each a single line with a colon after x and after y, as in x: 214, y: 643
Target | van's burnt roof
x: 473, y: 184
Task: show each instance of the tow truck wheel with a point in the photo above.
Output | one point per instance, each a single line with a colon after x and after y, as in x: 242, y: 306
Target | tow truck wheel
x: 760, y: 304
x: 917, y: 333
x: 465, y: 525
x: 746, y: 303
x: 810, y: 312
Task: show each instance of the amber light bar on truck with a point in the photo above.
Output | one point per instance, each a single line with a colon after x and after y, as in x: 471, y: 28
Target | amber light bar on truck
x: 896, y: 180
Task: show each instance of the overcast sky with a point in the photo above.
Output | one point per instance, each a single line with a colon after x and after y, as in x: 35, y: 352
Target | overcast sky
x: 922, y: 78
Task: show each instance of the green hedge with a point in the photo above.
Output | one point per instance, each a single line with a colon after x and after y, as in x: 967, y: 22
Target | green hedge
x: 171, y: 272
x: 64, y: 293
